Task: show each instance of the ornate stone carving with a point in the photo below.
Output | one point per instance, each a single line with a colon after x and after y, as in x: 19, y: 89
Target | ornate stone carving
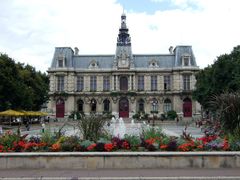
x: 115, y: 99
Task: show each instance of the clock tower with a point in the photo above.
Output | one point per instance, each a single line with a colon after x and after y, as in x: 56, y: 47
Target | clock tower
x: 123, y: 56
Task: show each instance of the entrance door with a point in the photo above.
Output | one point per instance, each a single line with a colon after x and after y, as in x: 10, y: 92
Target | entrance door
x: 187, y: 107
x: 60, y: 108
x: 123, y: 108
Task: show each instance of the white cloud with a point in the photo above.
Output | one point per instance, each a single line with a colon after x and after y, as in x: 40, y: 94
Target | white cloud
x: 31, y: 29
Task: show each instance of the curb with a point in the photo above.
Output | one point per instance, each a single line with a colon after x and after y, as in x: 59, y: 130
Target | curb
x: 126, y: 178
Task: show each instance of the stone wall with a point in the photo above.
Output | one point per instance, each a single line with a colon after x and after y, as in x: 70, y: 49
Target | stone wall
x: 119, y: 160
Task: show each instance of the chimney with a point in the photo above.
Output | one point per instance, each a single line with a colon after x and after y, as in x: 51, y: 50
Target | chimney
x: 171, y: 50
x: 76, y: 51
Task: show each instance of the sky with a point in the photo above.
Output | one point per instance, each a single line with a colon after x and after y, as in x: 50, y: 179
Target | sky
x: 31, y: 29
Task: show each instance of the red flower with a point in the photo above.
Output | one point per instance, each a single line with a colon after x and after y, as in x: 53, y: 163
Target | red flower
x: 108, y: 147
x: 125, y: 145
x: 150, y: 140
x: 163, y: 147
x: 225, y: 144
x: 207, y: 139
x: 186, y: 146
x: 56, y: 147
x: 91, y: 147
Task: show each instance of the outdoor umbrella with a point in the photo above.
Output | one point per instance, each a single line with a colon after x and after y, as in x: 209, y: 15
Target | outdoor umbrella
x: 11, y: 112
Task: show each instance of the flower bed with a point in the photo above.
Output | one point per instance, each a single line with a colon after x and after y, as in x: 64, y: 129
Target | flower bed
x: 152, y: 140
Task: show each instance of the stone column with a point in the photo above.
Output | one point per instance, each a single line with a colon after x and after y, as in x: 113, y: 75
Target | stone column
x: 111, y: 82
x: 69, y: 105
x: 177, y: 104
x: 115, y: 110
x: 99, y: 83
x: 87, y: 83
x: 70, y: 82
x: 117, y: 83
x: 147, y: 83
x: 134, y: 82
x: 129, y: 82
x: 52, y: 83
x: 160, y: 83
x: 86, y: 107
x: 180, y: 82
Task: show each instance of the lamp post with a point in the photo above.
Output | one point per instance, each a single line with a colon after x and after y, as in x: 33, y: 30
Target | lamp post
x: 154, y: 111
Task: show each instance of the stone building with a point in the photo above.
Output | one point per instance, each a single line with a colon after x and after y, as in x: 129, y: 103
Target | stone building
x: 123, y: 83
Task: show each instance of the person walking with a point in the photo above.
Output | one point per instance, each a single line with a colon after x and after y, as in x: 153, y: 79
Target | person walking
x: 43, y: 127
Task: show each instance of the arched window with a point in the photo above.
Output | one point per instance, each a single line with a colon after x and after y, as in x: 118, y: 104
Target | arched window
x: 80, y: 105
x: 93, y: 105
x: 141, y: 105
x: 106, y: 105
x: 167, y: 106
x: 154, y: 104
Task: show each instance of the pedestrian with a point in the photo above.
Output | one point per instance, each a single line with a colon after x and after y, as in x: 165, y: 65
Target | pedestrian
x: 43, y: 127
x: 27, y: 126
x: 177, y: 120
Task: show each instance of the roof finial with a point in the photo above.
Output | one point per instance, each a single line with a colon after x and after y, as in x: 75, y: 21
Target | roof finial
x: 123, y: 12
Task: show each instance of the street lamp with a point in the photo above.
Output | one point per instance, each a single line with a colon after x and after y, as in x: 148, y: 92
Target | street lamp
x: 154, y: 110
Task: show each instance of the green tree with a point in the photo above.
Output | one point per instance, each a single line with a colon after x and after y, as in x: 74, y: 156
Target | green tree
x: 222, y: 76
x: 21, y: 86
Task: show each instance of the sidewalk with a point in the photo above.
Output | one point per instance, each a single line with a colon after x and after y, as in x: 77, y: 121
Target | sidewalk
x: 117, y: 174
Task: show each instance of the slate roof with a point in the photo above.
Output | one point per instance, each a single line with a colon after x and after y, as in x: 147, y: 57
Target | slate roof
x: 140, y: 60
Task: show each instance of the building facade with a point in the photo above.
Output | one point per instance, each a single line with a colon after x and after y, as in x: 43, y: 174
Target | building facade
x: 123, y: 83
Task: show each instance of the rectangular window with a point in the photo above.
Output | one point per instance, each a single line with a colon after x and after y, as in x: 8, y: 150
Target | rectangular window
x: 141, y: 83
x: 132, y: 84
x: 106, y: 83
x: 60, y: 63
x: 153, y: 83
x: 186, y: 82
x: 80, y: 83
x: 167, y: 83
x: 60, y: 83
x: 93, y: 83
x: 167, y: 107
x: 115, y: 85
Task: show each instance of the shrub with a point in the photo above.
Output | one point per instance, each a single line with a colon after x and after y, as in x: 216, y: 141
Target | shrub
x: 48, y: 137
x: 152, y: 133
x: 8, y: 139
x: 134, y: 141
x: 171, y: 114
x: 69, y: 143
x: 92, y: 127
x: 227, y: 106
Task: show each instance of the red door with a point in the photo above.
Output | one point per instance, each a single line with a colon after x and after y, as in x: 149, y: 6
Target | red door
x: 123, y: 108
x: 187, y: 107
x: 60, y: 108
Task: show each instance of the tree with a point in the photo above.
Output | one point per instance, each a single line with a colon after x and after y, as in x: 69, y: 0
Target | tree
x: 227, y: 106
x: 222, y: 76
x: 21, y: 86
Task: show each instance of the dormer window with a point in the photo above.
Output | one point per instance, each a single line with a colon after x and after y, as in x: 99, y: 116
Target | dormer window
x: 93, y: 65
x: 153, y: 64
x: 186, y: 60
x: 61, y: 62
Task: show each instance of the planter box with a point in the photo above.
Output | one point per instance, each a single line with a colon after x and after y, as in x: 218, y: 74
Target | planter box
x: 119, y: 160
